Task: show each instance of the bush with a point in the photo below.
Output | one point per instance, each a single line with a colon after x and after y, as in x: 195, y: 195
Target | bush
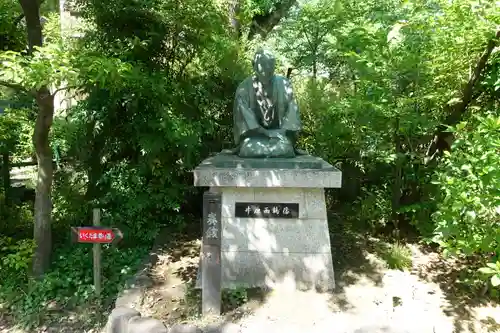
x: 467, y: 221
x: 67, y: 286
x: 17, y: 220
x: 397, y: 256
x: 16, y: 129
x: 15, y: 258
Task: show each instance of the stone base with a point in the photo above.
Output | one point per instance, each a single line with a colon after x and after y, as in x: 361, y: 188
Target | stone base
x: 300, y: 271
x: 268, y: 252
x: 232, y: 171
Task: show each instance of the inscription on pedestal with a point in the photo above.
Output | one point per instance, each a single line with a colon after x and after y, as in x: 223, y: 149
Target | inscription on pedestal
x: 210, y: 256
x: 266, y: 210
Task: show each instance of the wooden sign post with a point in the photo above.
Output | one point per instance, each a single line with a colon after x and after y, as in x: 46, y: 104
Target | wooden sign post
x: 96, y: 219
x: 5, y: 168
x: 210, y: 261
x: 96, y: 235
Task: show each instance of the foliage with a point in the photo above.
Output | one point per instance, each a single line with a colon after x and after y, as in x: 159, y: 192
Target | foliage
x: 468, y: 214
x: 374, y: 81
x: 52, y: 28
x: 69, y: 284
x: 136, y: 141
x: 54, y: 65
x: 9, y: 129
x: 129, y: 146
x: 397, y: 255
x: 375, y: 207
x: 492, y: 270
x: 16, y: 256
x: 17, y: 220
x: 16, y: 129
x: 12, y: 33
x: 155, y: 82
x: 233, y: 298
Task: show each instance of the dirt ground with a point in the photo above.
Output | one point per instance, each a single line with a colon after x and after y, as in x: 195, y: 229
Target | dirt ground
x: 368, y: 295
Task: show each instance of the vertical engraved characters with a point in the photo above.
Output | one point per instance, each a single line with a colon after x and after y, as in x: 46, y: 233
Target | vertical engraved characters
x: 213, y: 228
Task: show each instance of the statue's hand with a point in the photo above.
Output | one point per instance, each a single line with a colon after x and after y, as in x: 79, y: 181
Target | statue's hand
x: 271, y: 134
x: 276, y: 133
x: 264, y: 132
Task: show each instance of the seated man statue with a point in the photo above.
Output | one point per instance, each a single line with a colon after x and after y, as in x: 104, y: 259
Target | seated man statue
x: 266, y: 115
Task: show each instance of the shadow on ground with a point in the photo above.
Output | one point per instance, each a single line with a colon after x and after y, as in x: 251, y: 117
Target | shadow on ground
x: 173, y: 299
x: 351, y: 248
x: 172, y: 296
x: 454, y: 277
x: 84, y: 319
x: 350, y: 245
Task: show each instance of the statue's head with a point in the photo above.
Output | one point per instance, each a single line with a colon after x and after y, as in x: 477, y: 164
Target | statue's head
x: 263, y: 65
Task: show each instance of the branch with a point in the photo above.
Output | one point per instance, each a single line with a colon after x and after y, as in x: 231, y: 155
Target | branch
x: 478, y: 71
x: 65, y: 88
x: 13, y: 86
x: 442, y: 138
x: 263, y: 24
x: 17, y: 20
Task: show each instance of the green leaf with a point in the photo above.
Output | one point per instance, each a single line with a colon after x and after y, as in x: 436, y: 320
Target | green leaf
x: 486, y: 270
x: 493, y: 265
x: 495, y: 280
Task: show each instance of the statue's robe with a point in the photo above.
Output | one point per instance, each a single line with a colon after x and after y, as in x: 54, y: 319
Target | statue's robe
x: 248, y: 118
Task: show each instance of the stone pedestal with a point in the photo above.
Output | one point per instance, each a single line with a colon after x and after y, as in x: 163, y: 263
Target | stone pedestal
x: 268, y: 251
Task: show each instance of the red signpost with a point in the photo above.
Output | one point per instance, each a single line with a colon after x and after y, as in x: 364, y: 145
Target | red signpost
x: 99, y: 235
x: 96, y: 235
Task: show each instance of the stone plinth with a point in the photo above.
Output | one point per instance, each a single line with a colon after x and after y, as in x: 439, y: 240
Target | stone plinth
x: 268, y: 251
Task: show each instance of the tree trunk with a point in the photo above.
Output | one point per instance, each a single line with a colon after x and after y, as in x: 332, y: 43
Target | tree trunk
x: 315, y: 68
x: 42, y: 233
x: 234, y: 10
x: 31, y: 10
x: 442, y: 138
x: 397, y: 185
x: 6, y: 176
x: 96, y: 169
x: 262, y: 24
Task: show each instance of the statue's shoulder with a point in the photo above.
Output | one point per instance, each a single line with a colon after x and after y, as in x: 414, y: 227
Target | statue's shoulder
x: 245, y: 83
x: 282, y: 80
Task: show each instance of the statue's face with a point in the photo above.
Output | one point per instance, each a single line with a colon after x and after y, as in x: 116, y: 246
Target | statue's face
x: 264, y: 64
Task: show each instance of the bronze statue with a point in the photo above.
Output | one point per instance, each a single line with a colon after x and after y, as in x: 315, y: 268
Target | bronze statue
x: 266, y: 115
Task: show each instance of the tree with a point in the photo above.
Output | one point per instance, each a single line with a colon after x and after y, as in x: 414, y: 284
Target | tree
x: 263, y: 22
x: 258, y: 17
x: 307, y: 36
x: 395, y: 72
x: 33, y: 73
x: 456, y: 110
x: 42, y: 232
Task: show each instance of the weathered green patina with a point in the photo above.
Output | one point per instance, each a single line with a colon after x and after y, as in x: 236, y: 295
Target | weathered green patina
x: 266, y: 115
x: 228, y: 161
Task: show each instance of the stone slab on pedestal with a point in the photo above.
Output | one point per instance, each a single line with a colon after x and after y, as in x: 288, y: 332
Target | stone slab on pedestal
x: 308, y: 171
x: 267, y: 252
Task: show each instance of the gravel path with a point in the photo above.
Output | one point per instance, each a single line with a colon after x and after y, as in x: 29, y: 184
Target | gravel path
x: 397, y: 301
x: 401, y: 304
x: 394, y: 306
x: 369, y: 299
